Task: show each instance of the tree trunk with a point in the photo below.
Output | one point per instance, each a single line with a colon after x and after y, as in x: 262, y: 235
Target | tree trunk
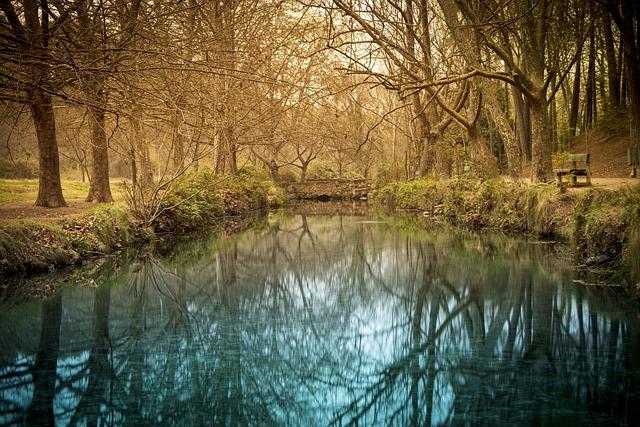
x: 49, y: 185
x: 470, y: 46
x: 590, y: 95
x: 428, y: 154
x: 522, y: 123
x: 633, y: 79
x: 303, y: 172
x: 226, y: 162
x: 508, y: 136
x: 274, y: 171
x: 553, y: 118
x: 226, y: 154
x: 134, y: 168
x: 141, y: 154
x: 623, y: 75
x: 178, y: 145
x: 541, y: 146
x: 612, y: 63
x: 499, y: 119
x: 94, y: 89
x: 627, y: 18
x: 485, y: 163
x: 425, y: 140
x: 575, y: 100
x: 99, y: 190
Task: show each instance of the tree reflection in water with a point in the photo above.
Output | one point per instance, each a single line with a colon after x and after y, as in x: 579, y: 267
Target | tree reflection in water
x: 327, y: 320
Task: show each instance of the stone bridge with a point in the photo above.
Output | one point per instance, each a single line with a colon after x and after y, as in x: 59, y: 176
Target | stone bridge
x: 329, y: 189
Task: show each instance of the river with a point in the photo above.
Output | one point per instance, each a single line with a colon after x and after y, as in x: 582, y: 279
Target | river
x: 327, y: 320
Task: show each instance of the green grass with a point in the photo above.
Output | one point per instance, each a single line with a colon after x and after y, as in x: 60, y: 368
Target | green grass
x: 16, y: 190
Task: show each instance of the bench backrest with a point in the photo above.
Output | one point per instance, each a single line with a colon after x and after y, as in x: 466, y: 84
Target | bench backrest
x: 574, y: 158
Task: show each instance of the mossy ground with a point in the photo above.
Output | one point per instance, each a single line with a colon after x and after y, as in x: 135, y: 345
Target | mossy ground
x: 37, y: 246
x: 604, y: 225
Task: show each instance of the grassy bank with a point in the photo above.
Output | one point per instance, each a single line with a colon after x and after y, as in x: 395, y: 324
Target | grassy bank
x: 16, y: 190
x: 195, y: 202
x: 603, y: 225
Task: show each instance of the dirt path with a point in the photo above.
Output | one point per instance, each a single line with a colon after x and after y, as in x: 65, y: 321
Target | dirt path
x: 614, y: 183
x: 11, y: 211
x: 597, y: 182
x: 608, y: 153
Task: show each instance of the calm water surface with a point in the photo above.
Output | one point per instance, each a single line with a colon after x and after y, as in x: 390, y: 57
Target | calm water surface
x: 327, y: 320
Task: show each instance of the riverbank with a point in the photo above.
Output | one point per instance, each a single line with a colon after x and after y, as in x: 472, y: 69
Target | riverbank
x: 603, y: 226
x: 197, y: 201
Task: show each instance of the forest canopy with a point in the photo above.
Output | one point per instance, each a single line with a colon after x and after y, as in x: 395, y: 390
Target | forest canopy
x: 382, y: 89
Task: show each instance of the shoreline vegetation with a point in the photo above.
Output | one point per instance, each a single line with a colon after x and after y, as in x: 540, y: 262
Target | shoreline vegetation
x: 602, y: 226
x: 196, y: 201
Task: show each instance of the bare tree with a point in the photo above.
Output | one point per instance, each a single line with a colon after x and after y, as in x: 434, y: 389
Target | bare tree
x: 626, y: 14
x: 29, y: 39
x: 531, y: 40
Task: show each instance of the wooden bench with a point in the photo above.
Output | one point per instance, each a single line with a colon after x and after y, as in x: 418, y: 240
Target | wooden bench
x: 574, y: 171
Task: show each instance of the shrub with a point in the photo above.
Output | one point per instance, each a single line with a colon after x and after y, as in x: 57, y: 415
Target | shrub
x: 251, y: 171
x: 202, y: 198
x: 189, y: 203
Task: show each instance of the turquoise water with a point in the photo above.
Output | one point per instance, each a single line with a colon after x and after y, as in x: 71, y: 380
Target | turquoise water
x: 327, y: 320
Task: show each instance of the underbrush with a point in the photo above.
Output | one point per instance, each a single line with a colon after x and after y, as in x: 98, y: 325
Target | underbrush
x: 202, y: 198
x: 606, y: 228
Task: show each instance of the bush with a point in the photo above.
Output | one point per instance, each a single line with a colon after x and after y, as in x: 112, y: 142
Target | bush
x: 18, y: 253
x: 276, y: 195
x: 191, y: 202
x: 202, y: 198
x: 251, y: 171
x: 606, y: 224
